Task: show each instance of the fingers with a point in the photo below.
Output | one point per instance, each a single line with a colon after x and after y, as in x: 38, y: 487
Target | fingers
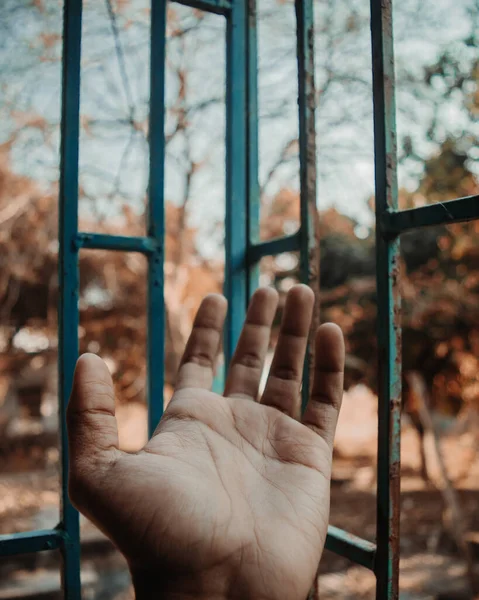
x: 92, y: 427
x: 322, y: 411
x: 197, y: 364
x: 284, y: 382
x: 247, y: 363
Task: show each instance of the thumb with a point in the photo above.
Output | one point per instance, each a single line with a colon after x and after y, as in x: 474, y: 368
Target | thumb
x: 91, y: 422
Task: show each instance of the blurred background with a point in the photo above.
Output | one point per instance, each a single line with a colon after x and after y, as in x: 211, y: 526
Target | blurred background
x: 437, y: 66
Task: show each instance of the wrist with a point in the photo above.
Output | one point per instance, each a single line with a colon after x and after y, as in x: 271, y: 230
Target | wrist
x: 175, y: 586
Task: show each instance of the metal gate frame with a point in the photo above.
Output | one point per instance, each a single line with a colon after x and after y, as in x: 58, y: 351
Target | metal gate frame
x: 243, y: 248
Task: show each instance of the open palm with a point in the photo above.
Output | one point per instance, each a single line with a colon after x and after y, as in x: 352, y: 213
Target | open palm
x: 230, y: 497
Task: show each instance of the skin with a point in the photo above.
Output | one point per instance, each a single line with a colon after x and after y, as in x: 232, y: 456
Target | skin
x: 230, y: 497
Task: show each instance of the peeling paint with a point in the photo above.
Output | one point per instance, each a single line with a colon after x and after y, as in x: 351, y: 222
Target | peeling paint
x: 389, y: 305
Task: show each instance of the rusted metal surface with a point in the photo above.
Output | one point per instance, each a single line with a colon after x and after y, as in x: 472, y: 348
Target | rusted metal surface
x: 441, y: 213
x: 309, y: 229
x: 389, y: 323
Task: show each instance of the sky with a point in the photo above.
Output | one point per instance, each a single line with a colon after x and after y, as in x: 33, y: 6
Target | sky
x: 115, y: 90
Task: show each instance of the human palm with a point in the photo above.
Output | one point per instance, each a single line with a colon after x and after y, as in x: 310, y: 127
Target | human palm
x: 230, y: 497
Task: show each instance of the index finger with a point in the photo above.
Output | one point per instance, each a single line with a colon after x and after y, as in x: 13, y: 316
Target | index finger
x: 197, y: 364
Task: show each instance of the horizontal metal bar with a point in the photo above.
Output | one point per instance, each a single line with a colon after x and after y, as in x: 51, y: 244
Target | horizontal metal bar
x: 352, y: 547
x: 99, y: 241
x: 31, y: 541
x: 440, y: 213
x: 289, y: 243
x: 219, y: 7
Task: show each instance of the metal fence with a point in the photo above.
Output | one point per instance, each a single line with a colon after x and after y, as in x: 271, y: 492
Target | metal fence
x: 243, y: 247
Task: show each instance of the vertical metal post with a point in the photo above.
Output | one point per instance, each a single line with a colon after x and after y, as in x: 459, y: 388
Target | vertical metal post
x: 389, y: 322
x: 68, y: 276
x: 156, y: 216
x: 236, y: 173
x: 253, y: 191
x: 309, y: 249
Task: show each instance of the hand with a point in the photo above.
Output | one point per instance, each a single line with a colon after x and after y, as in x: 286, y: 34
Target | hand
x: 230, y: 497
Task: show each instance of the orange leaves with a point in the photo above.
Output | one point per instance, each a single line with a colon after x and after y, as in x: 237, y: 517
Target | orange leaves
x: 49, y: 40
x: 29, y: 119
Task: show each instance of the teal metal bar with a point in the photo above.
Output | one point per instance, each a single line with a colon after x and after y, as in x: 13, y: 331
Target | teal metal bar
x: 389, y: 318
x: 352, y: 547
x: 156, y: 216
x: 68, y: 275
x: 288, y: 243
x: 220, y: 7
x: 309, y: 256
x: 31, y: 541
x: 253, y: 189
x: 441, y: 213
x: 236, y: 276
x: 97, y: 241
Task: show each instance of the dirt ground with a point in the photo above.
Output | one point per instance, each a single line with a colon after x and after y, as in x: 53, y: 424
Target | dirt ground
x: 431, y: 566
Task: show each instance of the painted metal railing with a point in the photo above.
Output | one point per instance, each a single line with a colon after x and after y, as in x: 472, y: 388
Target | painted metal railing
x: 243, y: 247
